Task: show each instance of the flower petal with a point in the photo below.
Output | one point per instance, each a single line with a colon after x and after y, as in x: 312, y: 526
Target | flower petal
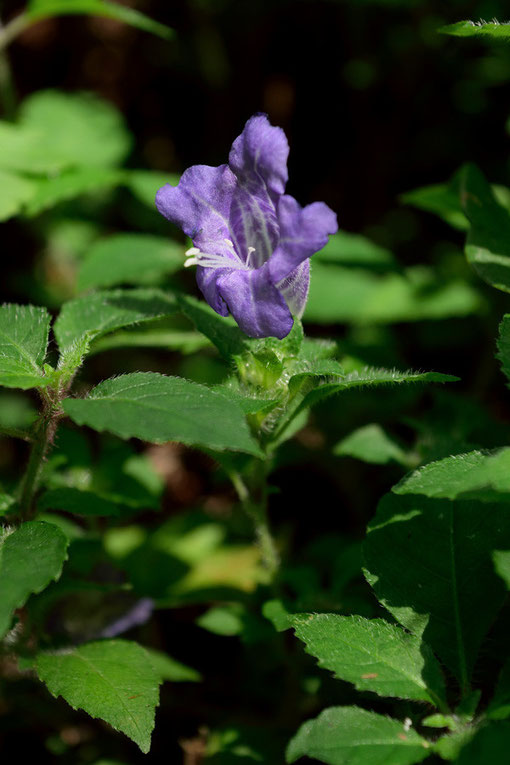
x: 295, y: 288
x: 255, y: 303
x: 200, y: 205
x: 260, y: 154
x: 253, y: 220
x: 207, y: 279
x: 303, y: 231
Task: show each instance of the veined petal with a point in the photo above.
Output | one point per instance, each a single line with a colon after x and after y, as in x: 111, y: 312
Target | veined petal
x: 303, y: 231
x: 200, y: 206
x: 207, y: 279
x: 253, y: 220
x: 255, y: 303
x: 260, y: 154
x: 294, y: 288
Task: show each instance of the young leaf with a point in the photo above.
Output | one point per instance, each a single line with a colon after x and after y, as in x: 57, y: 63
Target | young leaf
x: 129, y: 259
x: 439, y: 581
x: 171, y: 669
x: 156, y: 408
x: 370, y: 444
x: 43, y: 9
x: 15, y: 192
x: 111, y: 679
x: 31, y: 556
x: 81, y: 129
x: 493, y: 29
x: 373, y: 655
x: 95, y: 315
x: 353, y: 736
x: 475, y: 475
x: 23, y: 341
x: 488, y: 240
x: 69, y: 184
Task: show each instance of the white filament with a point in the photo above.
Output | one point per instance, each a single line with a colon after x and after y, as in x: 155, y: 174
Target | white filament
x: 195, y: 257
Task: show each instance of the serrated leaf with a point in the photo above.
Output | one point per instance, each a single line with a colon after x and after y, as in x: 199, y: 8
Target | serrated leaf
x: 488, y: 241
x: 493, y: 29
x: 353, y: 736
x: 77, y: 501
x: 145, y: 183
x: 31, y: 556
x: 484, y: 476
x: 111, y: 679
x: 439, y: 581
x: 80, y: 128
x: 129, y: 259
x: 171, y: 669
x: 42, y: 9
x: 23, y: 341
x: 93, y: 316
x: 15, y: 192
x: 370, y: 444
x: 69, y: 184
x: 373, y: 655
x: 352, y: 295
x: 156, y: 408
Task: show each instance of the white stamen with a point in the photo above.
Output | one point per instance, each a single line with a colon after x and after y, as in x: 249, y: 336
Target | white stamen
x: 195, y: 257
x: 230, y: 244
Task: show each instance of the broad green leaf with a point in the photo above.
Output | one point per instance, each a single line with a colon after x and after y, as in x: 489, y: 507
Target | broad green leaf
x: 355, y: 250
x: 23, y: 341
x: 43, y: 9
x: 223, y: 332
x: 145, y: 183
x: 370, y: 444
x: 439, y: 581
x: 488, y: 240
x: 475, y: 475
x: 373, y: 655
x: 353, y: 736
x: 222, y: 620
x: 15, y: 192
x: 23, y: 149
x: 171, y: 669
x: 352, y: 295
x: 442, y: 199
x: 129, y: 259
x: 490, y: 745
x: 493, y: 29
x: 110, y: 679
x: 76, y: 501
x: 97, y: 314
x: 68, y: 185
x: 504, y: 346
x: 31, y: 556
x: 156, y: 408
x: 169, y: 339
x: 499, y: 707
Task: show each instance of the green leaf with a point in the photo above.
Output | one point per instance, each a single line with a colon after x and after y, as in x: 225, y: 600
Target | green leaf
x: 370, y: 444
x: 23, y: 341
x: 171, y: 669
x: 77, y: 501
x: 69, y: 184
x: 222, y: 620
x: 156, y: 408
x: 93, y: 316
x: 488, y: 241
x: 31, y: 556
x: 489, y: 745
x: 356, y: 296
x: 494, y: 29
x: 23, y: 149
x: 169, y: 339
x: 439, y: 581
x: 499, y: 707
x: 345, y: 248
x: 504, y: 346
x: 111, y: 679
x: 15, y: 192
x: 80, y: 128
x: 145, y: 183
x: 442, y: 199
x: 222, y: 331
x: 129, y: 259
x: 373, y: 655
x: 43, y: 9
x: 474, y: 475
x: 353, y: 736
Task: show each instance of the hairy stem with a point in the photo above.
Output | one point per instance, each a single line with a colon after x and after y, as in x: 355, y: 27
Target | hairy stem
x: 254, y: 503
x: 42, y: 440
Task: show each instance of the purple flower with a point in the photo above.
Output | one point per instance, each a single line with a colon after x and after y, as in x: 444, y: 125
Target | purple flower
x: 251, y: 242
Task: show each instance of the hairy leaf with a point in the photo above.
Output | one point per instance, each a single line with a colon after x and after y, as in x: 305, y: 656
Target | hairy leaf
x: 493, y: 29
x: 111, y: 679
x: 373, y: 655
x: 156, y: 408
x: 353, y: 736
x: 23, y: 341
x: 31, y: 556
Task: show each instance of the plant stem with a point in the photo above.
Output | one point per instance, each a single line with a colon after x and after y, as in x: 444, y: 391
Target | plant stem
x: 43, y: 438
x: 255, y: 506
x: 10, y: 31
